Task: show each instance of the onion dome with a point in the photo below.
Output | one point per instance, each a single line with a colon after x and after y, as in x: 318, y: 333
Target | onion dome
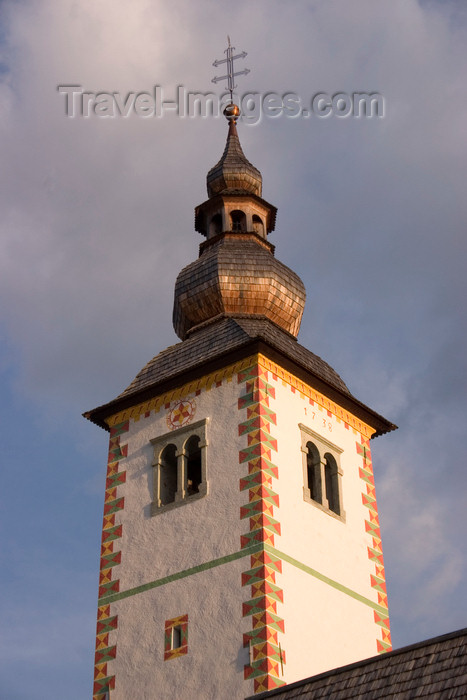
x: 234, y: 173
x: 237, y: 275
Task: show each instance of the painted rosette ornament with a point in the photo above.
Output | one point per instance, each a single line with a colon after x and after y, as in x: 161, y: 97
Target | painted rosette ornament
x: 181, y: 413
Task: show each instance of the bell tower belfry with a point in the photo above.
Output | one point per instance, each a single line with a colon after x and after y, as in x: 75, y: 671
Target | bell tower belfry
x: 241, y: 547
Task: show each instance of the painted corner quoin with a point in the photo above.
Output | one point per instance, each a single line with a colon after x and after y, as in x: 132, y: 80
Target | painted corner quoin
x: 107, y: 623
x: 266, y: 655
x: 375, y: 551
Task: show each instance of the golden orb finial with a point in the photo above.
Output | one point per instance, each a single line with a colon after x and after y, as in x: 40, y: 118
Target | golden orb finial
x: 232, y: 112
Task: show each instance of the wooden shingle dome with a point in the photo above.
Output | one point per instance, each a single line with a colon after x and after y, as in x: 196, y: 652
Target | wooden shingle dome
x: 233, y: 172
x: 236, y: 273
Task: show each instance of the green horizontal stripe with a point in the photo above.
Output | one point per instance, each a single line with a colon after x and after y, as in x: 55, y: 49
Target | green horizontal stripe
x: 325, y: 579
x: 105, y: 600
x: 251, y: 549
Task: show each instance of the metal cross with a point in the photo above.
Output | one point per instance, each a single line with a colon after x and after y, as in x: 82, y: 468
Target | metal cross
x: 230, y: 68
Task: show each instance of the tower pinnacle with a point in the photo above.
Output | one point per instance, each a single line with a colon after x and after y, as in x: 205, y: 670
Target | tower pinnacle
x: 236, y: 274
x: 233, y: 172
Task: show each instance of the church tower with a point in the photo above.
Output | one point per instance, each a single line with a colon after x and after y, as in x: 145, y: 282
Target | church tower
x: 241, y: 548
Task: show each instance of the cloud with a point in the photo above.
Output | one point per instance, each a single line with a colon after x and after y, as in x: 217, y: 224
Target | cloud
x: 425, y: 564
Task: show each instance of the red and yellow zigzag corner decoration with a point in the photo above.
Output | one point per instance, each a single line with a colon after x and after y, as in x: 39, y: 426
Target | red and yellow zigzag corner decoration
x: 266, y: 655
x: 110, y: 558
x: 375, y: 552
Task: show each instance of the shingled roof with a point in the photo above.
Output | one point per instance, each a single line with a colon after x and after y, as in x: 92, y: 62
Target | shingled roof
x: 226, y: 335
x: 435, y: 668
x: 225, y: 340
x: 234, y: 172
x: 237, y: 275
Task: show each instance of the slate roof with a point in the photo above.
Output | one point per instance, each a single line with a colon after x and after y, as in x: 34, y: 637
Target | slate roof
x: 223, y: 340
x: 435, y: 668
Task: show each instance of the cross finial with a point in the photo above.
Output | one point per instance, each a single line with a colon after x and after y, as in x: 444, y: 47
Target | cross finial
x: 234, y: 110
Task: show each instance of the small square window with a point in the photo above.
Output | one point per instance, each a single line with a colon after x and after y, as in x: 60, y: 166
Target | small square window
x: 176, y: 637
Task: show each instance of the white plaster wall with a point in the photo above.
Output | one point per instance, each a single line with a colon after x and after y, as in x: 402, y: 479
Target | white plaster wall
x: 324, y: 627
x: 200, y: 530
x: 335, y: 548
x: 175, y: 540
x: 323, y: 631
x: 215, y: 658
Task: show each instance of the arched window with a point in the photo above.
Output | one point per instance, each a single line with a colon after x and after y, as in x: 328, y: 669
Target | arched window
x: 314, y: 473
x: 215, y: 226
x: 322, y: 473
x: 168, y: 475
x: 238, y: 220
x: 331, y: 483
x: 180, y: 467
x: 258, y: 226
x: 193, y: 465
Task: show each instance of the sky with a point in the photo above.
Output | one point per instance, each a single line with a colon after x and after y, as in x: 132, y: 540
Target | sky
x: 97, y: 221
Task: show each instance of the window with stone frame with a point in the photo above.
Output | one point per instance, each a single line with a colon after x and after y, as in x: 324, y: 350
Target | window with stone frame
x: 322, y: 473
x: 175, y: 637
x: 180, y: 466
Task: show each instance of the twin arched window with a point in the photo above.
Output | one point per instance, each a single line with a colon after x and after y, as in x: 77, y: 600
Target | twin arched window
x: 322, y: 473
x: 322, y: 480
x: 179, y: 466
x: 191, y: 473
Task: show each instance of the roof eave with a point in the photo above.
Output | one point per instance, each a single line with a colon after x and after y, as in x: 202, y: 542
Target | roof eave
x: 380, y: 424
